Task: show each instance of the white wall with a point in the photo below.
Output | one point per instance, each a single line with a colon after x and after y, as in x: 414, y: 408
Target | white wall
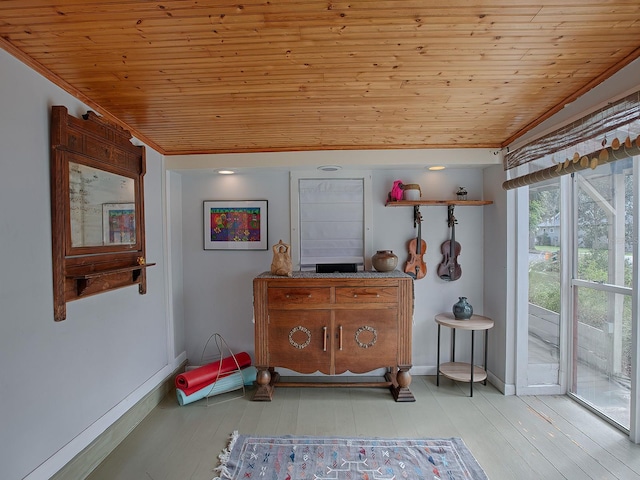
x: 62, y: 383
x: 218, y: 284
x: 173, y: 203
x: 499, y: 287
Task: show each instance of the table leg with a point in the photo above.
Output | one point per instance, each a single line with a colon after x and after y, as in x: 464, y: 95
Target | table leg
x: 471, y: 383
x: 438, y: 360
x: 486, y: 340
x: 453, y: 344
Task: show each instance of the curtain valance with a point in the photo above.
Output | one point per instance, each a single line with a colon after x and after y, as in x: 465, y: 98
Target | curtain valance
x: 618, y: 119
x: 609, y: 134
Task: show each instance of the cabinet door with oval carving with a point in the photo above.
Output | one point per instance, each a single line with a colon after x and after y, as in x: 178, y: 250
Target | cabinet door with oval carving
x: 300, y: 340
x: 365, y: 339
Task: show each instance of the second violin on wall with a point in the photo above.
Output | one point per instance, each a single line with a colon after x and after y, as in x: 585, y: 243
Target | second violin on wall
x: 449, y: 269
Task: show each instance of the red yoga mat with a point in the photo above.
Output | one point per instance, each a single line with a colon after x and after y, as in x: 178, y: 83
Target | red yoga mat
x: 196, y: 378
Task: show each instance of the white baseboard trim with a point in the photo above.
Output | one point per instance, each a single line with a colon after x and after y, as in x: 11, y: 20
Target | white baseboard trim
x: 423, y: 370
x: 69, y: 456
x: 505, y: 388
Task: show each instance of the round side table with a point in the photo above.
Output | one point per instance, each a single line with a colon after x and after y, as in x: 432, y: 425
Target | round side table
x: 461, y: 371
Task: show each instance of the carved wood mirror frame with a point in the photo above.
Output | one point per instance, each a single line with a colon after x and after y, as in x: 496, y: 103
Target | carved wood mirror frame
x: 94, y: 150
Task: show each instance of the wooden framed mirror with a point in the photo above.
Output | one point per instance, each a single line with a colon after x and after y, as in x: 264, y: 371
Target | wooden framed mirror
x: 97, y: 208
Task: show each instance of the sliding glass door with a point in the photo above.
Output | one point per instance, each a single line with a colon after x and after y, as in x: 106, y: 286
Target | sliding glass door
x: 602, y: 288
x: 578, y: 319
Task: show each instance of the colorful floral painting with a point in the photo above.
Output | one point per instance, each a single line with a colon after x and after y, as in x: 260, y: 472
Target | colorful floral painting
x: 235, y: 225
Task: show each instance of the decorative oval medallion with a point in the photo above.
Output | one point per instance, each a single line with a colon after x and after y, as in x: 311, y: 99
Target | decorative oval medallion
x: 293, y: 331
x: 366, y: 328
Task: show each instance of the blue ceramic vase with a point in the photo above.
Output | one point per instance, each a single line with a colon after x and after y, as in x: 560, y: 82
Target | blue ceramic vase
x: 462, y: 309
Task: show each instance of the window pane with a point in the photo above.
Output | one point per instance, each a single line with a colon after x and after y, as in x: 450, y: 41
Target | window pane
x: 605, y: 224
x: 544, y: 284
x: 602, y: 352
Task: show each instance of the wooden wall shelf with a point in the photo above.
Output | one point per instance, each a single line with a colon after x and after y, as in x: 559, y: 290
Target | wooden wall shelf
x: 83, y: 281
x: 417, y: 203
x: 450, y: 204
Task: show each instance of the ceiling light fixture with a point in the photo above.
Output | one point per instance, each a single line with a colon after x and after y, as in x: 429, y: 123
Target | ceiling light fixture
x: 330, y: 168
x: 437, y: 167
x: 226, y: 172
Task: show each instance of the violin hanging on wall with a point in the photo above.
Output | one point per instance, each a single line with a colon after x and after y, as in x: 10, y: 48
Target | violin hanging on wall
x: 449, y: 269
x: 415, y: 266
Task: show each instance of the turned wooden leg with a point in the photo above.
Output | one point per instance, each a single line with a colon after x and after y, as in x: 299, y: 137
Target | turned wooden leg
x: 400, y: 386
x: 404, y: 379
x: 264, y: 392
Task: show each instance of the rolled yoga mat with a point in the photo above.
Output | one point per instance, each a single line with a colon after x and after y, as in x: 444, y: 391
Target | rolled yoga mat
x: 207, y: 374
x: 232, y: 381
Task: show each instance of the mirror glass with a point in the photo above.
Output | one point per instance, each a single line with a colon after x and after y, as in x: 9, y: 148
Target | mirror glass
x: 101, y: 207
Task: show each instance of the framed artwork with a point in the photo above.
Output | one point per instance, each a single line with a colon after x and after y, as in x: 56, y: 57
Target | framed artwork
x: 235, y: 225
x: 118, y: 223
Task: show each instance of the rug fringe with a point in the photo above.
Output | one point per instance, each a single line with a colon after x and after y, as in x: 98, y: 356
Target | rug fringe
x: 224, y: 458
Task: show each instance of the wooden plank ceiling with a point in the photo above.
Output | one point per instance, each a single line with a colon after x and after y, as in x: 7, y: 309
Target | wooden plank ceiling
x: 201, y: 76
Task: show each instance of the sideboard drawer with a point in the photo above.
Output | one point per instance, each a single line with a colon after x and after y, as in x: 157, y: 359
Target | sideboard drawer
x: 279, y: 296
x: 367, y: 294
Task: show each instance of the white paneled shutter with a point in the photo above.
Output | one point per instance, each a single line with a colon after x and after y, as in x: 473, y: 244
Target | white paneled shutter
x: 331, y: 221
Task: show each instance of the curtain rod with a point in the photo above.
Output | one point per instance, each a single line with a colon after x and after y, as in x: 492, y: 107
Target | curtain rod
x: 604, y: 156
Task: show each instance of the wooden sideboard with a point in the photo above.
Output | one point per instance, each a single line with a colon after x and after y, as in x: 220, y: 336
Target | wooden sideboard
x: 334, y: 323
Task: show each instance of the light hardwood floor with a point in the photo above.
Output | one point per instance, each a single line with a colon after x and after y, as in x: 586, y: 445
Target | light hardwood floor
x: 541, y: 437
